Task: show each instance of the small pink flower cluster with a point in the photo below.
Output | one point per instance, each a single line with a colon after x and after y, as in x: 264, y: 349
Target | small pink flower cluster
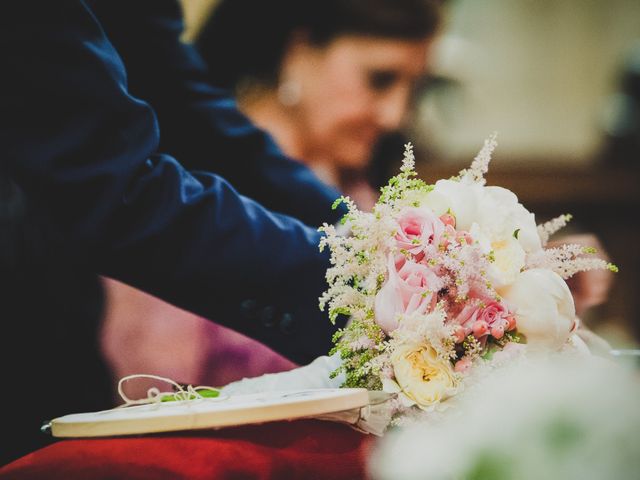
x: 437, y: 266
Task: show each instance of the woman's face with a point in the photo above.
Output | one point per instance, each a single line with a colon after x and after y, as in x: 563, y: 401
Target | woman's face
x: 353, y: 90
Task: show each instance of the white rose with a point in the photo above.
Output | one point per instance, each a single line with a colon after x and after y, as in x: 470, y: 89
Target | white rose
x: 543, y: 307
x: 495, y: 210
x: 421, y: 375
x: 459, y: 198
x: 501, y: 213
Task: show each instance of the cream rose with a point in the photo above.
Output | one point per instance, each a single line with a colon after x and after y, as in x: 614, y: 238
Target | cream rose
x: 543, y: 307
x: 421, y: 375
x: 501, y: 213
x: 509, y: 256
x: 509, y: 259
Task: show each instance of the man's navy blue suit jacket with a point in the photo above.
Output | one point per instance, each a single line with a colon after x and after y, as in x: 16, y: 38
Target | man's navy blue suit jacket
x: 200, y: 125
x: 85, y: 150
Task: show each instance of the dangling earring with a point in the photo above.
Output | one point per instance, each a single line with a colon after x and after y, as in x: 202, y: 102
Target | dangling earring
x: 289, y: 93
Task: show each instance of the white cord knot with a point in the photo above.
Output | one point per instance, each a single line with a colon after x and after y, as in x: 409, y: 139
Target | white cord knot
x: 181, y: 393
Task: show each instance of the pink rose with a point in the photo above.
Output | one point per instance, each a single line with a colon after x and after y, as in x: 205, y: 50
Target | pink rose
x: 480, y: 319
x: 410, y: 287
x: 480, y: 328
x: 465, y: 320
x: 418, y: 229
x: 497, y: 317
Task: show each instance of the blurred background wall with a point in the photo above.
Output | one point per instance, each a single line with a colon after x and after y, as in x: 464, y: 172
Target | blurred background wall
x: 540, y: 72
x: 559, y: 80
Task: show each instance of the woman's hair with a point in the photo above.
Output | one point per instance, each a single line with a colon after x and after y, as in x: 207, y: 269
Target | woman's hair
x: 246, y: 39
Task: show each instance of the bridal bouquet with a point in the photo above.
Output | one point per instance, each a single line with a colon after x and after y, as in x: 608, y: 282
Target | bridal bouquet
x: 441, y: 280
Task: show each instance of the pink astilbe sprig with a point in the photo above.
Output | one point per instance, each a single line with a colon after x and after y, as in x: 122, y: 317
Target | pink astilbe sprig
x: 466, y: 265
x: 567, y: 260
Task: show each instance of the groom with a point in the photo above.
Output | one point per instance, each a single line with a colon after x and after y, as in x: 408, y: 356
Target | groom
x: 82, y: 154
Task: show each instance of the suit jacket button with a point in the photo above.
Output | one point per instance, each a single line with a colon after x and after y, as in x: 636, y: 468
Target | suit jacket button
x: 248, y: 308
x: 287, y: 324
x: 267, y: 317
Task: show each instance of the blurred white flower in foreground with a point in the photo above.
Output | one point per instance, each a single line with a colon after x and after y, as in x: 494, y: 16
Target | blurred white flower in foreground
x: 562, y: 417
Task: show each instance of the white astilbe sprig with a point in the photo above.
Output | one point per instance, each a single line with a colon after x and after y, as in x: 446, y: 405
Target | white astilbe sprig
x: 567, y: 260
x: 545, y: 230
x: 393, y: 196
x: 480, y: 165
x: 358, y: 262
x: 380, y: 362
x: 409, y: 160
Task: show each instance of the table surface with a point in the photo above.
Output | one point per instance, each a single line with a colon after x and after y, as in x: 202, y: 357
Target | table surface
x: 304, y: 449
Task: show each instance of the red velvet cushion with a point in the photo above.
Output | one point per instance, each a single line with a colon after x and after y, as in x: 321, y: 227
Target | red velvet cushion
x: 304, y: 449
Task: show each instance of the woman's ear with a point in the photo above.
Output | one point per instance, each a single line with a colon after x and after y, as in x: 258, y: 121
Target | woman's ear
x: 296, y: 66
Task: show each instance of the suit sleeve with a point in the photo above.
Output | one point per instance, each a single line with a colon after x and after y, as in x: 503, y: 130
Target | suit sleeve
x: 83, y: 149
x: 201, y: 124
